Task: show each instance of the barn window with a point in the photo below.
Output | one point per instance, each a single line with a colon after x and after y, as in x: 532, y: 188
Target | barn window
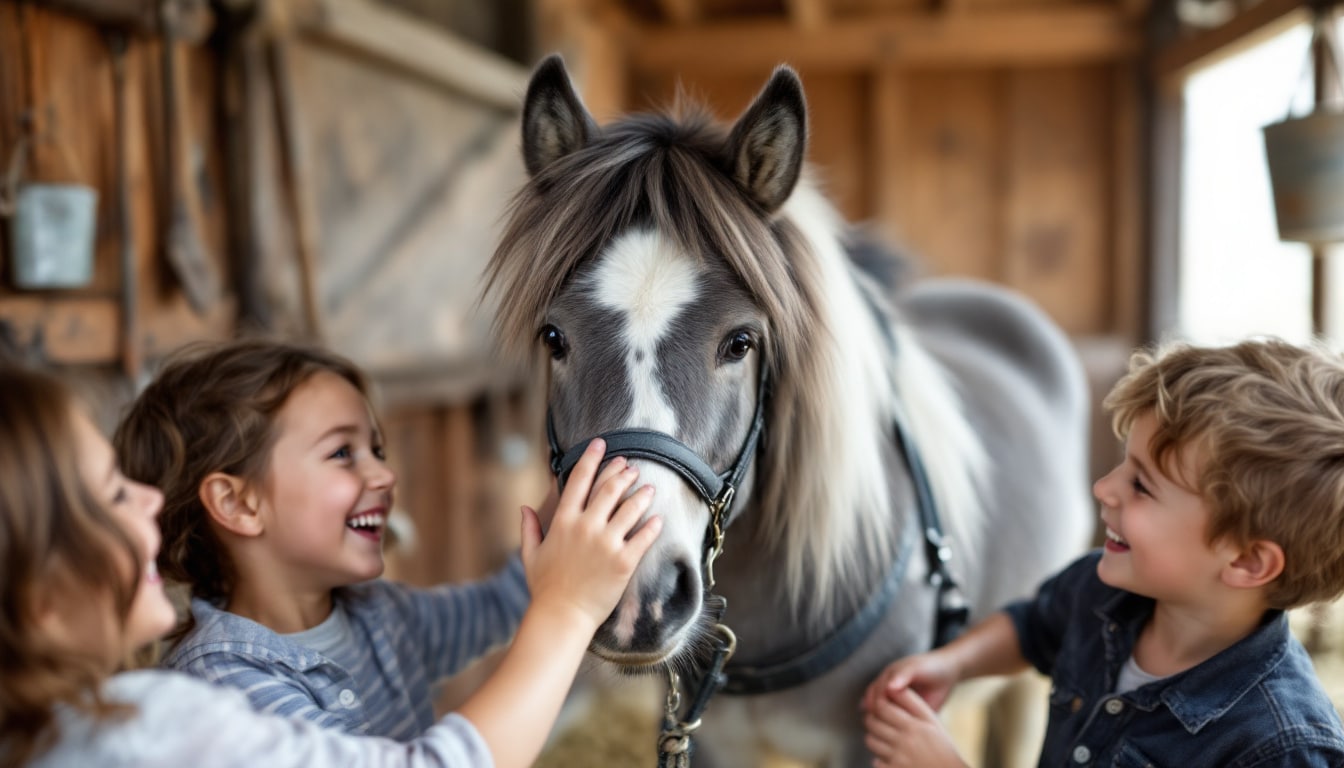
x: 1236, y: 277
x: 1220, y: 271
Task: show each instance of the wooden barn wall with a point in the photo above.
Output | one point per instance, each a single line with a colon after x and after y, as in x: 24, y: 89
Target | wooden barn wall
x: 1004, y: 174
x: 59, y: 70
x: 345, y: 184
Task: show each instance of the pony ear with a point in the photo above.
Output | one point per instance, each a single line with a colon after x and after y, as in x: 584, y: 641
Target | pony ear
x: 555, y: 122
x: 766, y: 146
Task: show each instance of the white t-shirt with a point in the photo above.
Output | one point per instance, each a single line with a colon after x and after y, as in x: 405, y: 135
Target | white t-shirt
x: 1131, y: 677
x: 182, y: 721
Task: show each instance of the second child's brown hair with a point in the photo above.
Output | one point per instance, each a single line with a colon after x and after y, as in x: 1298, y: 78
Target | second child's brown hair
x: 212, y: 408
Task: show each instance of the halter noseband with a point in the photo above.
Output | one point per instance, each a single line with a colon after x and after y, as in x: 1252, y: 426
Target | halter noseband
x: 714, y: 488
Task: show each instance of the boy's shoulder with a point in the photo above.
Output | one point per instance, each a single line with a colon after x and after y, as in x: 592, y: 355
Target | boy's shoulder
x: 1263, y: 696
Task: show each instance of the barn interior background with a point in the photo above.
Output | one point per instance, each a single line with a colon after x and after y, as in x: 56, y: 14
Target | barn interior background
x: 336, y: 170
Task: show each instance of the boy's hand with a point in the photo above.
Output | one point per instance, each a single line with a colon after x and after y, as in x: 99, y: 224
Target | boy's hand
x: 904, y: 732
x: 931, y: 675
x: 589, y: 552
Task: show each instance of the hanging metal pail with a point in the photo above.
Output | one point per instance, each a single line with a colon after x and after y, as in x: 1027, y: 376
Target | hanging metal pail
x: 1306, y: 169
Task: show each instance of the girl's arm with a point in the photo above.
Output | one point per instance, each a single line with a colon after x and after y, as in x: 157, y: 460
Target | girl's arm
x: 455, y: 624
x: 576, y: 575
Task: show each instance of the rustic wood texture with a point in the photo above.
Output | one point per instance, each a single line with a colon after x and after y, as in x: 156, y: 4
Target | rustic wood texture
x: 61, y: 74
x: 1056, y: 207
x: 954, y: 176
x: 1029, y: 35
x: 1027, y: 176
x: 406, y: 195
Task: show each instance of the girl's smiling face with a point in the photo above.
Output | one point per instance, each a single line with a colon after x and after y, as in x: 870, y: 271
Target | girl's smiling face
x: 327, y: 491
x: 135, y: 507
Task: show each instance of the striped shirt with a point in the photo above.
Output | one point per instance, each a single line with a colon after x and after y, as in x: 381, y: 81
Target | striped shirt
x: 403, y: 640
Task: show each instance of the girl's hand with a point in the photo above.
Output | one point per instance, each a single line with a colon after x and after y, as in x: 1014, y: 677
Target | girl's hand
x: 589, y: 552
x: 931, y: 675
x: 546, y: 512
x: 904, y: 732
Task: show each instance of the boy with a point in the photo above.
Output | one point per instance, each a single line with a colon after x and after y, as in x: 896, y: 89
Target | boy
x: 1170, y: 646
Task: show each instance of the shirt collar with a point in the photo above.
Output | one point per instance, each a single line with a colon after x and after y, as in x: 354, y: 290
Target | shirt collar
x: 1201, y: 694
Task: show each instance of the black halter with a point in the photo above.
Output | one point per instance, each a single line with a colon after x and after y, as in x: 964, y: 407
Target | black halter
x: 714, y: 488
x: 718, y: 491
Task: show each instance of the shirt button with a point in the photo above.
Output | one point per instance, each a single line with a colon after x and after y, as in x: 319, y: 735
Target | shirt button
x: 347, y: 698
x: 1076, y: 704
x: 1114, y: 706
x: 1081, y: 754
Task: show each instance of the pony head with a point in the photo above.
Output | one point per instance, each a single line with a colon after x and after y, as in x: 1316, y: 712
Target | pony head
x: 658, y: 265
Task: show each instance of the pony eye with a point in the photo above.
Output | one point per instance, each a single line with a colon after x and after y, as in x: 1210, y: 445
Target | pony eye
x: 736, y: 346
x: 554, y: 340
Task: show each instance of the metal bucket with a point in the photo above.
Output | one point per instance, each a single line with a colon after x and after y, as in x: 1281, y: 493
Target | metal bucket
x: 53, y: 235
x: 1306, y: 170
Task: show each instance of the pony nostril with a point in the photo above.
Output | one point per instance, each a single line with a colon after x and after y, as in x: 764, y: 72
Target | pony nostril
x: 682, y: 600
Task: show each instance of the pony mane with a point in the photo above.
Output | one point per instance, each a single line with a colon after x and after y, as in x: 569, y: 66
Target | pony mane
x: 821, y: 496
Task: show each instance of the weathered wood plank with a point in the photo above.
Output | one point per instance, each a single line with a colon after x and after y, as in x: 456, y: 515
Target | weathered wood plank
x: 62, y: 72
x: 889, y: 186
x: 65, y: 330
x: 1127, y: 297
x: 1058, y: 185
x: 952, y: 182
x: 400, y: 40
x: 990, y: 37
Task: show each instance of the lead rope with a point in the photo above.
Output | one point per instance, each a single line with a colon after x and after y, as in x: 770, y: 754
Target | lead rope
x: 674, y: 742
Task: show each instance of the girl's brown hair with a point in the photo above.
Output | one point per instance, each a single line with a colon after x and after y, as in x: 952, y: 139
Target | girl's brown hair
x: 54, y: 534
x: 1264, y: 420
x: 212, y: 408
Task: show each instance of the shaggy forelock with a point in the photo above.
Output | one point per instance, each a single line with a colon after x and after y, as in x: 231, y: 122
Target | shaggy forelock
x: 651, y: 171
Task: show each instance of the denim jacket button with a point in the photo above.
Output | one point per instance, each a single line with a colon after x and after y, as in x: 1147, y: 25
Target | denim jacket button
x: 1115, y: 707
x: 347, y: 698
x: 1081, y: 754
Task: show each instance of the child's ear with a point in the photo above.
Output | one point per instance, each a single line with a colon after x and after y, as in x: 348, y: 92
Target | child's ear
x: 231, y: 504
x: 1259, y: 563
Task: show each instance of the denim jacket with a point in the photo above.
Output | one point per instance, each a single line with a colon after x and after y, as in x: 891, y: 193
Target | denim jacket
x: 1257, y: 703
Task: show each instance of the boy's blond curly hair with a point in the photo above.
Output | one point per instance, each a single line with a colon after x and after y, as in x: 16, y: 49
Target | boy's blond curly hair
x: 1266, y: 421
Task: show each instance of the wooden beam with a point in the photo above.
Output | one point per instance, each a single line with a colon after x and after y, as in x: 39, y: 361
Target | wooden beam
x: 889, y: 141
x: 398, y: 39
x: 67, y: 330
x: 1246, y: 28
x: 136, y: 15
x: 1128, y: 299
x: 681, y: 11
x: 1019, y: 37
x: 807, y: 14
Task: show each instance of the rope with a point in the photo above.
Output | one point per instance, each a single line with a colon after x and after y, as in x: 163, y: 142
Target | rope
x: 674, y: 742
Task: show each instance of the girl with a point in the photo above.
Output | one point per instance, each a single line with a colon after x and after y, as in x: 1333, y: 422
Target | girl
x: 276, y: 497
x: 79, y: 591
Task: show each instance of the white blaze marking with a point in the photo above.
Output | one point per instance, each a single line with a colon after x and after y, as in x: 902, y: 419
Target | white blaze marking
x: 647, y: 280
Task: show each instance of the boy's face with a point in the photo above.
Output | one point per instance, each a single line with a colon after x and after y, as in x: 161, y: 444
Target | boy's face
x: 1155, y: 527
